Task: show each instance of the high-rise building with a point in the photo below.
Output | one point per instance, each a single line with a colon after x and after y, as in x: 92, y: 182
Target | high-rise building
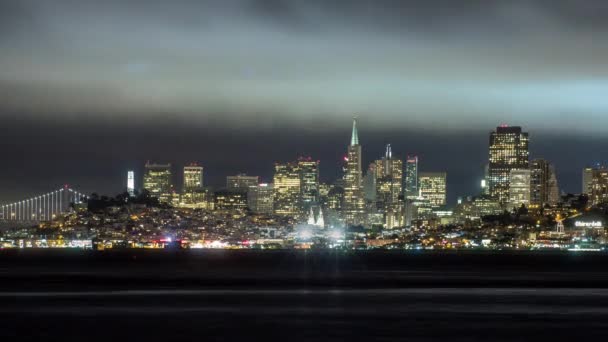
x: 508, y: 151
x: 411, y: 177
x: 554, y: 195
x: 354, y: 202
x: 131, y: 183
x: 157, y: 181
x: 389, y: 179
x: 193, y: 178
x: 260, y: 198
x: 309, y: 183
x: 287, y: 183
x: 587, y: 180
x: 241, y: 182
x: 539, y: 183
x: 519, y: 188
x: 433, y: 187
x: 543, y: 184
x: 599, y: 186
x: 369, y: 184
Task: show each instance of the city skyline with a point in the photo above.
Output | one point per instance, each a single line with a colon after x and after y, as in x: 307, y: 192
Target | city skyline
x: 464, y: 176
x: 92, y: 97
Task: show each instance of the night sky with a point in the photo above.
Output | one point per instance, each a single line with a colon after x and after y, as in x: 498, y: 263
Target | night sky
x: 90, y: 89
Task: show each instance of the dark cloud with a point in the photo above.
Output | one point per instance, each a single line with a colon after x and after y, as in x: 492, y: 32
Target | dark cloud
x: 105, y: 85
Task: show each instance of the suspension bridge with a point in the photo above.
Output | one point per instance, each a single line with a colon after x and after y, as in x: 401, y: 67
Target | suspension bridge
x: 44, y: 207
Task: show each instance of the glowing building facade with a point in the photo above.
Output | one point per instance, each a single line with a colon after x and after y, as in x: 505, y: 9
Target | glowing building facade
x: 354, y: 201
x: 433, y: 188
x: 309, y: 183
x: 157, y: 181
x: 519, y: 188
x: 287, y: 184
x: 131, y: 183
x: 411, y: 177
x: 508, y: 151
x: 193, y: 178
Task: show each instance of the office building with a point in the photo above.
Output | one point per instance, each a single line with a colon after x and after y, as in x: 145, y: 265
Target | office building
x: 599, y: 186
x: 389, y: 180
x: 260, y: 198
x: 411, y: 177
x: 369, y: 184
x: 587, y: 180
x: 519, y: 188
x: 433, y: 188
x: 230, y: 200
x: 193, y: 178
x: 539, y: 183
x: 131, y: 183
x: 241, y: 182
x: 309, y: 183
x: 287, y: 183
x: 508, y: 151
x: 354, y: 201
x: 157, y: 181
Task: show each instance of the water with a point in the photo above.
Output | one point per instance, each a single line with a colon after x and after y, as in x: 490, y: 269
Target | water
x: 302, y: 296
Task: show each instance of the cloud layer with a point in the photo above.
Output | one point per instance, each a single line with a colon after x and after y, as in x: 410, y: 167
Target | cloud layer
x: 470, y: 64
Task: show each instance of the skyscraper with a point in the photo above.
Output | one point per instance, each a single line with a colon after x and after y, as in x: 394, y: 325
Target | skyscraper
x: 539, y: 183
x: 508, y: 151
x: 287, y: 183
x: 519, y: 188
x: 599, y: 186
x: 411, y: 177
x: 260, y: 198
x: 369, y: 183
x: 389, y: 181
x: 354, y: 202
x: 309, y: 183
x: 193, y: 178
x: 157, y: 181
x: 241, y: 182
x: 432, y: 187
x: 131, y: 183
x: 587, y: 180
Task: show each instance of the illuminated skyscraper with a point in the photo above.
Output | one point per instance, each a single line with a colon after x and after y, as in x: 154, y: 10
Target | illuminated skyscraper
x: 287, y: 185
x: 587, y: 180
x: 260, y: 198
x: 411, y: 177
x: 309, y: 183
x: 599, y: 186
x: 131, y: 183
x: 354, y: 202
x: 508, y: 151
x: 193, y: 178
x: 389, y: 178
x: 519, y: 188
x: 241, y: 182
x: 157, y: 181
x: 432, y: 187
x: 543, y: 184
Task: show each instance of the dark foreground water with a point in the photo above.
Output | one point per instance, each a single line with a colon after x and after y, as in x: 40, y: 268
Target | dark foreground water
x: 301, y: 296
